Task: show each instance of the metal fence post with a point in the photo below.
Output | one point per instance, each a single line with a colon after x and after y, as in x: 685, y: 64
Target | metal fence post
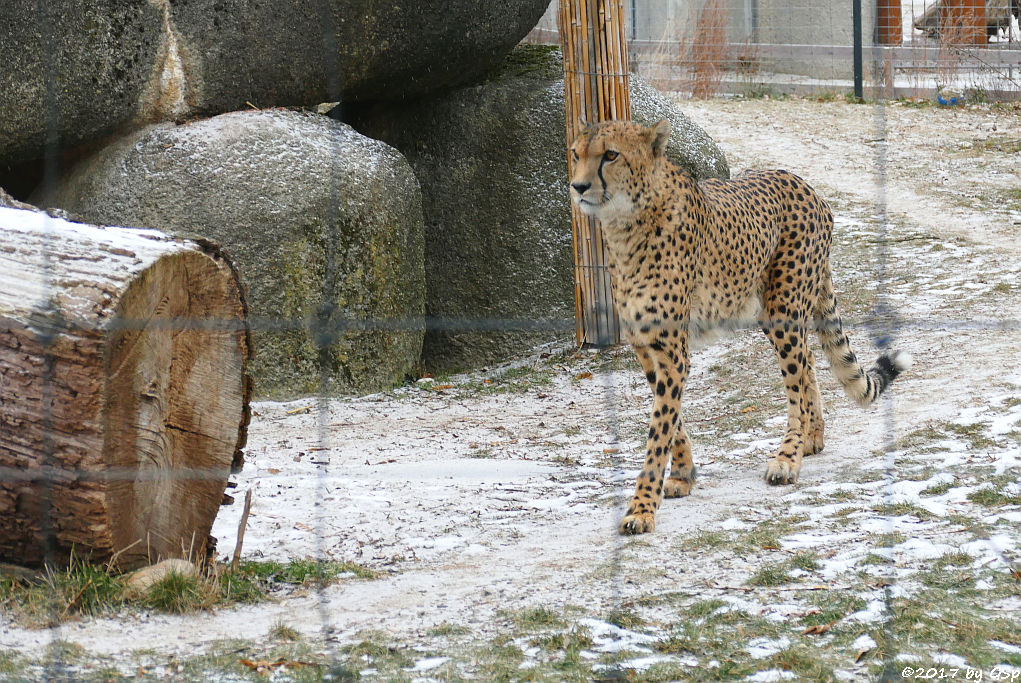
x: 859, y: 86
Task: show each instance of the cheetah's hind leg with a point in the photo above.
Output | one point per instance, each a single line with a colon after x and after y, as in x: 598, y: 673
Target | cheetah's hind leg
x: 787, y: 336
x: 682, y: 467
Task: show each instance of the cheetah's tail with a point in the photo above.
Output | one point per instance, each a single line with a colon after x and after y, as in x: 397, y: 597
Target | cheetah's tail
x: 863, y: 387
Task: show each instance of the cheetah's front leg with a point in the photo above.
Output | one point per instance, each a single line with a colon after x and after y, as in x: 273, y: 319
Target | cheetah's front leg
x: 670, y: 366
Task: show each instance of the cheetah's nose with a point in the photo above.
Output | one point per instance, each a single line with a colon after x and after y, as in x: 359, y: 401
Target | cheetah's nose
x: 581, y: 188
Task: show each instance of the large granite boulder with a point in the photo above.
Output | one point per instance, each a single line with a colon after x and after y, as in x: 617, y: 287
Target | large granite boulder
x: 492, y: 162
x: 324, y: 224
x: 75, y: 70
x: 72, y: 71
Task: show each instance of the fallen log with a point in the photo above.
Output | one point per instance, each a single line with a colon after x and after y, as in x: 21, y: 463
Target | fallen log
x: 123, y: 390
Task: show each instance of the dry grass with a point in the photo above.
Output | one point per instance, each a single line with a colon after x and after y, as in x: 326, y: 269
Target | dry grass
x: 708, y: 48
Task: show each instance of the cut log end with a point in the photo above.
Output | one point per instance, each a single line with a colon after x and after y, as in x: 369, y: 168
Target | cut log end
x: 174, y: 400
x: 121, y: 420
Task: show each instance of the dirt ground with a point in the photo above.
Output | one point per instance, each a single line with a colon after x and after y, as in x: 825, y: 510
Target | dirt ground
x: 487, y: 503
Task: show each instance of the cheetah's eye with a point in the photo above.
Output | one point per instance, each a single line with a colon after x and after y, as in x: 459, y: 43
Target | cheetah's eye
x: 574, y: 154
x: 610, y: 155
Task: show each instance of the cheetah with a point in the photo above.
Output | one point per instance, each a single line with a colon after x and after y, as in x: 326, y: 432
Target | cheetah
x: 686, y: 257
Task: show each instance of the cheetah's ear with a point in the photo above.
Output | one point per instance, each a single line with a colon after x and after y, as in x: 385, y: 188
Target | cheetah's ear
x: 658, y: 136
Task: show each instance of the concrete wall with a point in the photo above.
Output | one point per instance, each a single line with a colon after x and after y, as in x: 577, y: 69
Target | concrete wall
x: 802, y: 22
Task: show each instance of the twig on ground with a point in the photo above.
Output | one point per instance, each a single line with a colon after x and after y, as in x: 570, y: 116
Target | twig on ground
x: 241, y: 531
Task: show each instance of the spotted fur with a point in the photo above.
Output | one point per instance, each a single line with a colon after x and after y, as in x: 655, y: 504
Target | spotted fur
x: 687, y: 257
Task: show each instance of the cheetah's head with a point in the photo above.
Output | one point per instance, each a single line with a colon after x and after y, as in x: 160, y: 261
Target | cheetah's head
x: 613, y: 162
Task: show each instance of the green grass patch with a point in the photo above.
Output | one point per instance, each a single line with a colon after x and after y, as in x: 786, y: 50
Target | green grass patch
x: 720, y: 635
x: 667, y: 598
x: 706, y: 539
x: 804, y: 662
x: 1002, y: 145
x: 269, y: 575
x: 178, y: 593
x: 874, y: 559
x: 625, y: 618
x: 375, y: 650
x: 923, y: 439
x: 777, y: 574
x: 57, y: 595
x: 994, y: 496
x: 844, y: 495
x: 947, y: 580
x: 537, y: 618
x: 831, y: 606
x: 889, y: 540
x: 499, y: 660
x: 11, y: 663
x: 806, y: 561
x: 282, y: 631
x: 975, y: 433
x: 446, y: 630
x: 83, y: 589
x: 939, y: 489
x: 843, y: 513
x: 903, y: 509
x: 766, y: 535
x: 953, y: 559
x: 937, y: 621
x: 703, y: 608
x: 574, y: 640
x: 517, y: 380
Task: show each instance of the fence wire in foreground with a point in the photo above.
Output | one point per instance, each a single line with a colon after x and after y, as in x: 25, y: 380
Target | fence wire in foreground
x: 715, y: 47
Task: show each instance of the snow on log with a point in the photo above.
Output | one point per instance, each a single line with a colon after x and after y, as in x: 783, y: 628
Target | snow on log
x: 123, y: 390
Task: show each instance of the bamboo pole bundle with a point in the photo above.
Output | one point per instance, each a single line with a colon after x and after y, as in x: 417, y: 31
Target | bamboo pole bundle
x: 596, y: 88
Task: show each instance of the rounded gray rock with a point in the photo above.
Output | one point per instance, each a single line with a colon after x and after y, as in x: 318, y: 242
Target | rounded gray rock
x: 324, y: 224
x: 492, y: 162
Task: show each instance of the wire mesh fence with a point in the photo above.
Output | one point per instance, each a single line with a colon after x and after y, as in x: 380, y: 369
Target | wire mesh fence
x: 448, y: 517
x: 913, y: 48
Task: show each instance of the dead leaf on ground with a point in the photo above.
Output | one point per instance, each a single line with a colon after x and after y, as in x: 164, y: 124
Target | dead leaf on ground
x: 266, y: 666
x: 583, y: 375
x: 818, y: 629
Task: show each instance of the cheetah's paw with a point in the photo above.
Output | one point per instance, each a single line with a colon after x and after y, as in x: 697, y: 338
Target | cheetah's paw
x: 676, y: 488
x: 814, y: 442
x: 638, y: 523
x: 781, y: 470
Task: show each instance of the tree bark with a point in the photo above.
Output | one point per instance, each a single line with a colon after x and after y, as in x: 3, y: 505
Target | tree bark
x: 123, y: 390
